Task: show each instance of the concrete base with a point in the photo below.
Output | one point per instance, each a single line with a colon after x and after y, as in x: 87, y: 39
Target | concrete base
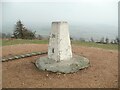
x: 69, y: 66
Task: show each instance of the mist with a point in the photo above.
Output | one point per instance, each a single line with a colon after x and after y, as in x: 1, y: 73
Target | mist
x: 86, y: 19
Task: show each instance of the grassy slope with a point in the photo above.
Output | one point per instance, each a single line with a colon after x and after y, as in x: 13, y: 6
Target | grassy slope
x: 92, y: 44
x: 89, y: 44
x: 20, y: 41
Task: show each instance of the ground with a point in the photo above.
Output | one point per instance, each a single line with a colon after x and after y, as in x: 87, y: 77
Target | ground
x: 22, y: 73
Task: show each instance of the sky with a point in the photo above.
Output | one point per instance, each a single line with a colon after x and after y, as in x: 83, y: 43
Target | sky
x: 88, y: 18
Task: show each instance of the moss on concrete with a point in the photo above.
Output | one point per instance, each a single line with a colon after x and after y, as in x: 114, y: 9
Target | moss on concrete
x: 68, y: 66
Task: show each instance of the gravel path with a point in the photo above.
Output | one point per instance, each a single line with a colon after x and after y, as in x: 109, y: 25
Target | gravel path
x: 22, y: 73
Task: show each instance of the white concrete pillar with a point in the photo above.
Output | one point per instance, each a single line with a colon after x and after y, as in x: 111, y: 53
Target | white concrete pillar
x: 59, y: 42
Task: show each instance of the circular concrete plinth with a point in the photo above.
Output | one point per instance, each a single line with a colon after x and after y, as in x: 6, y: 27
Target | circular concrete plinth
x: 69, y: 66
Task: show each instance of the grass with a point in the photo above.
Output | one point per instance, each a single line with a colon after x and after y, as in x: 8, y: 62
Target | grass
x: 93, y: 44
x: 0, y: 42
x: 88, y: 44
x: 20, y: 41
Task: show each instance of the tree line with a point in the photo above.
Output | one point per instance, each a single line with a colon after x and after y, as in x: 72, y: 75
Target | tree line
x: 102, y: 40
x: 21, y: 32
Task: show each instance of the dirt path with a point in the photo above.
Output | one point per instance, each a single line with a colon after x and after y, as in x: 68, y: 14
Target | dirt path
x: 22, y: 49
x: 21, y: 73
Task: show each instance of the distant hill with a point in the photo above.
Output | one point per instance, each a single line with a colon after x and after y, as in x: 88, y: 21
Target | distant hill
x: 76, y: 31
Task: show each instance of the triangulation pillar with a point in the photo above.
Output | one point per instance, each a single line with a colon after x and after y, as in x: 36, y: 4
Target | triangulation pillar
x: 59, y: 42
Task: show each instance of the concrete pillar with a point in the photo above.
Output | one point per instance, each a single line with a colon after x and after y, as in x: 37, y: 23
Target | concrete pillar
x: 59, y: 42
x: 60, y: 57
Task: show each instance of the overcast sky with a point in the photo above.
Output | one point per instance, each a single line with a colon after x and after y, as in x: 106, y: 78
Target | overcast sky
x: 88, y: 18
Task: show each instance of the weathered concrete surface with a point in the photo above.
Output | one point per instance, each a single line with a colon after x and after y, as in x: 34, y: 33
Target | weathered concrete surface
x: 60, y: 57
x: 59, y: 43
x: 66, y: 66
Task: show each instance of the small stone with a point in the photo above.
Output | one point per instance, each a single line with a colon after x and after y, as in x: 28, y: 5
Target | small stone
x: 3, y: 59
x: 23, y: 83
x: 58, y: 76
x: 39, y: 53
x: 59, y: 73
x: 22, y: 56
x: 28, y: 55
x: 116, y: 80
x: 10, y: 58
x: 47, y: 75
x: 16, y: 57
x: 95, y: 80
x: 64, y: 74
x: 33, y: 53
